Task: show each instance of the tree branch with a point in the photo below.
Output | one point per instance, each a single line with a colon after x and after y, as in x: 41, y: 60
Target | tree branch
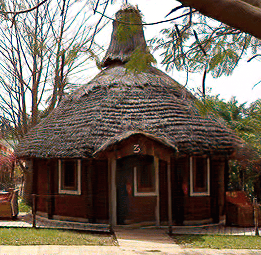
x: 235, y: 13
x: 25, y: 11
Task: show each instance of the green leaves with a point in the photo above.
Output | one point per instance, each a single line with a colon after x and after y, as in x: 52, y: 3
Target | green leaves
x: 198, y: 41
x: 223, y: 62
x: 246, y: 122
x: 140, y: 60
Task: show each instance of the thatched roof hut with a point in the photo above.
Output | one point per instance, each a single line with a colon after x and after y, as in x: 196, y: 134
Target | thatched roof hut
x: 123, y: 102
x: 118, y: 101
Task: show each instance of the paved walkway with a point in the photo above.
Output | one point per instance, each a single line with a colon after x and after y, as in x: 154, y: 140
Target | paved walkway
x: 107, y: 250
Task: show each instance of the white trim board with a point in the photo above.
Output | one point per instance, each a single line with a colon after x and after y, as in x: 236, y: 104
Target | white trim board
x: 145, y: 194
x: 195, y: 194
x: 69, y: 192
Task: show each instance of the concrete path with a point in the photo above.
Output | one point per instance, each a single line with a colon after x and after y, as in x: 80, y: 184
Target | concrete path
x: 106, y: 250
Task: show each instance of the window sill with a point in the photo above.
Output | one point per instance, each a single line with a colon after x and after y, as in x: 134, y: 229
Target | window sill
x: 145, y: 194
x: 70, y: 192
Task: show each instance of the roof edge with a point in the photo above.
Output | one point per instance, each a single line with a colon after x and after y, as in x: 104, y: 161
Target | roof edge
x: 124, y: 136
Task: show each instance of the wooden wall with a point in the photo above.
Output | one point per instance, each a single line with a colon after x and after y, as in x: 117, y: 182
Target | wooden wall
x: 92, y: 204
x: 193, y: 208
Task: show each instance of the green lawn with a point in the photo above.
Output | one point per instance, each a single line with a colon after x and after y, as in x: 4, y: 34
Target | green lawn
x: 23, y: 207
x: 30, y: 236
x: 218, y: 241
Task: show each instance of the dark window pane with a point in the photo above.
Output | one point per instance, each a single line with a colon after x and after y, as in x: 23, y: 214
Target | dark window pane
x: 200, y: 175
x: 69, y: 175
x: 145, y: 175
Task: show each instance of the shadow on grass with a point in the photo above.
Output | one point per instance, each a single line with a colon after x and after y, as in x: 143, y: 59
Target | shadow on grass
x: 187, y: 241
x: 218, y: 241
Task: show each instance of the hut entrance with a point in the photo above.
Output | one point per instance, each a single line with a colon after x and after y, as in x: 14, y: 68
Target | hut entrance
x: 136, y: 189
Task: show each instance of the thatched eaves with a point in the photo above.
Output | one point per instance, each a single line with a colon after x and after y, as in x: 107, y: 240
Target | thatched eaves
x: 118, y: 101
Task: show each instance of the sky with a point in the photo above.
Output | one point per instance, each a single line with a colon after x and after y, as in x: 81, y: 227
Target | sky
x: 240, y: 84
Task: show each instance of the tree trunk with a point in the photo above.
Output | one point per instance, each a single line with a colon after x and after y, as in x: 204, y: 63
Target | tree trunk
x: 235, y: 13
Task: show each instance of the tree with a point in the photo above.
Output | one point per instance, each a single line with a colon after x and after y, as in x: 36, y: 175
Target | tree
x: 196, y: 43
x: 40, y: 53
x: 245, y: 169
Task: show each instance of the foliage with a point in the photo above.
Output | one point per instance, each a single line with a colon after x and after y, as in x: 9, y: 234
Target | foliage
x: 139, y: 60
x: 41, y: 53
x: 30, y: 236
x: 246, y: 122
x: 23, y: 207
x: 199, y: 43
x: 8, y: 170
x: 218, y: 241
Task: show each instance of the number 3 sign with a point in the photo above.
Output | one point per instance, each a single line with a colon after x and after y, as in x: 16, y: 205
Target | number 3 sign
x: 136, y: 148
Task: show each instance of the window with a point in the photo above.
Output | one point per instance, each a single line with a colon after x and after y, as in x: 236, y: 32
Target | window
x: 144, y: 177
x: 199, y: 176
x: 69, y: 177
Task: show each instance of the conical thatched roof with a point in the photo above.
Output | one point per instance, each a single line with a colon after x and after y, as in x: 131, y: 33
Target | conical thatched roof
x: 119, y: 103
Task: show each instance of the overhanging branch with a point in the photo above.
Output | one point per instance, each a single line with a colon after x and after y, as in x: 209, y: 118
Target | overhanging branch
x: 235, y: 13
x: 24, y: 11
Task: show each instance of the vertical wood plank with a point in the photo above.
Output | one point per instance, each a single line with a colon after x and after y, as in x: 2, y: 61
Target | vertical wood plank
x: 169, y: 197
x: 110, y: 193
x: 113, y: 192
x: 49, y: 191
x: 156, y: 166
x: 89, y: 193
x: 34, y: 210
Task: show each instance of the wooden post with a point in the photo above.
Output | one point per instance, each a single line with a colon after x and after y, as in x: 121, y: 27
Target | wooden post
x: 156, y: 166
x: 256, y: 216
x: 169, y: 197
x: 113, y: 192
x: 34, y: 210
x: 109, y: 192
x: 49, y: 191
x: 89, y: 195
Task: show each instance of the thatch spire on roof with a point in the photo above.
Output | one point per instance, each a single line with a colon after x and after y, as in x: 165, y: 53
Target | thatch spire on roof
x: 126, y: 39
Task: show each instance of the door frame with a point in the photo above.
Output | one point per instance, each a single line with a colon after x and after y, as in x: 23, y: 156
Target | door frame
x: 113, y: 190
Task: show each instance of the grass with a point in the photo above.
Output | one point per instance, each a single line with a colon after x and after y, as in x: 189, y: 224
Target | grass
x: 30, y: 236
x: 23, y: 207
x: 218, y: 241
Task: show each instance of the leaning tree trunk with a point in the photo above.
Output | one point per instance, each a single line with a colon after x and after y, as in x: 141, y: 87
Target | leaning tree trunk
x: 235, y: 13
x: 27, y: 182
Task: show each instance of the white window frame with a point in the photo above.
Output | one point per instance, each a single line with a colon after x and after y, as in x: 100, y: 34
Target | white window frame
x: 192, y: 192
x: 146, y: 194
x: 69, y: 192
